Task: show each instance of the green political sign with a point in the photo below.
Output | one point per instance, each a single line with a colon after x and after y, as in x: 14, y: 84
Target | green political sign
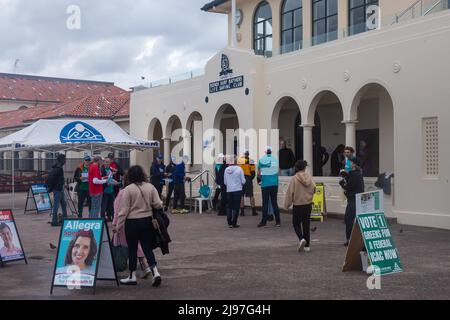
x: 380, y: 246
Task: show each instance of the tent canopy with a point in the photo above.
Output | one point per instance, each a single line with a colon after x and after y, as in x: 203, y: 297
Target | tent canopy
x: 73, y: 135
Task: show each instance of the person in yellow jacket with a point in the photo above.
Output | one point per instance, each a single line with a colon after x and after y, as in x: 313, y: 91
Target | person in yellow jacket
x: 249, y: 168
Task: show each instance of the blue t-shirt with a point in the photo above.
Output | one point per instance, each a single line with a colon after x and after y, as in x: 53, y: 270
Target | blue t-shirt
x: 269, y: 171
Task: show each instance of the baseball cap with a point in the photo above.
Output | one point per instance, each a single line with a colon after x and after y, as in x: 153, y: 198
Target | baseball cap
x: 160, y: 156
x: 87, y: 158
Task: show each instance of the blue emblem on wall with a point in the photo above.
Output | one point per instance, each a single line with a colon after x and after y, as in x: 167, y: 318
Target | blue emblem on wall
x: 225, y: 66
x: 80, y: 132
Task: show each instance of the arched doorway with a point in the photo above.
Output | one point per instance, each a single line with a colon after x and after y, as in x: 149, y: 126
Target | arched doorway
x: 373, y: 112
x: 155, y: 133
x: 175, y: 135
x: 193, y: 143
x: 328, y: 131
x: 227, y: 120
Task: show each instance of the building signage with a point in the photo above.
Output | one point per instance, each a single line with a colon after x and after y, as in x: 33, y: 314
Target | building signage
x: 227, y: 82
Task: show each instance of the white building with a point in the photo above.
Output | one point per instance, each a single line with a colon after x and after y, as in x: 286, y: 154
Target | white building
x: 316, y: 71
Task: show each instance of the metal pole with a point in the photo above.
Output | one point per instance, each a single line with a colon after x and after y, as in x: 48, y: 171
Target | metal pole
x: 12, y: 177
x: 233, y: 24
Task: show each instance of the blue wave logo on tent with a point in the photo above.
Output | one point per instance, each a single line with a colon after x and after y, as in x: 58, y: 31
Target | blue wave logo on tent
x: 80, y: 132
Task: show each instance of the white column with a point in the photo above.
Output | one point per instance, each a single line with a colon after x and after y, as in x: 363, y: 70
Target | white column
x: 350, y: 133
x: 187, y: 146
x: 233, y: 24
x: 308, y: 145
x: 167, y: 150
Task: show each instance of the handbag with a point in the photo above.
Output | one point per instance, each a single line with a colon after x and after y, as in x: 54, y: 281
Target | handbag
x: 120, y: 255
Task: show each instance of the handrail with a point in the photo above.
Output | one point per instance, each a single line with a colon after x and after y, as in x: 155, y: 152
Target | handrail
x: 399, y: 16
x: 432, y: 7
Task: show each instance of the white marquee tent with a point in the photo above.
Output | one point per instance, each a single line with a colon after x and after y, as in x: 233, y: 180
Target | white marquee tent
x: 72, y: 135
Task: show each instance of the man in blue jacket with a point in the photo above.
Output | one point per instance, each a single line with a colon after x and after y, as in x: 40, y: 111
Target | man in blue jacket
x: 179, y: 179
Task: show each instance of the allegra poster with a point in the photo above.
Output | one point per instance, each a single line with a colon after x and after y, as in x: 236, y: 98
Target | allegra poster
x: 41, y: 198
x: 10, y: 245
x: 78, y: 253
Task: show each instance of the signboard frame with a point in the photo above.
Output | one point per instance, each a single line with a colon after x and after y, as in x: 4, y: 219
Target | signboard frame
x: 31, y: 195
x: 13, y: 221
x: 105, y: 240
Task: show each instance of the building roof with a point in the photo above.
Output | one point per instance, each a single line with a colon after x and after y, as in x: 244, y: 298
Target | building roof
x: 44, y: 90
x: 211, y: 5
x: 98, y: 107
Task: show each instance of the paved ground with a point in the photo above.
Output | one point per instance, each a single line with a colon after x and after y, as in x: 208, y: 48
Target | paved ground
x: 209, y: 261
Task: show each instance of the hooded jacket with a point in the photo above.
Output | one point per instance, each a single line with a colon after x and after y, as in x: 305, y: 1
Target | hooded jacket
x: 234, y: 178
x: 301, y: 190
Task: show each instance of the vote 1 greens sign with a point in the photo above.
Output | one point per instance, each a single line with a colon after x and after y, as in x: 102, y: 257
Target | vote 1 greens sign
x: 379, y: 244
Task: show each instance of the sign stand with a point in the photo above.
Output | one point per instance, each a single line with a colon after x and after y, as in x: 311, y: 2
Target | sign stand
x: 319, y: 203
x: 70, y: 203
x: 355, y: 246
x: 10, y: 218
x: 32, y: 195
x: 105, y: 269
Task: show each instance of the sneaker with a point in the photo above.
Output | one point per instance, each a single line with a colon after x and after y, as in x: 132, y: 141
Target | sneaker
x: 56, y: 225
x: 270, y: 218
x: 156, y: 277
x: 262, y: 225
x: 307, y: 249
x: 184, y: 211
x: 130, y: 281
x: 346, y: 244
x: 230, y: 226
x: 175, y: 211
x: 242, y: 213
x: 236, y: 226
x: 302, y: 245
x: 278, y: 225
x: 254, y: 212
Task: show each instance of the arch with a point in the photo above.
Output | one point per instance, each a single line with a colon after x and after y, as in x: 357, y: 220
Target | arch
x: 315, y: 101
x: 155, y: 133
x: 262, y: 20
x: 279, y: 106
x: 173, y: 123
x: 193, y: 146
x: 226, y: 112
x: 155, y: 124
x: 195, y: 116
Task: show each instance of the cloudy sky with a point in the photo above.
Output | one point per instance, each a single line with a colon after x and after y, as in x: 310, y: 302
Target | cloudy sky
x: 118, y: 40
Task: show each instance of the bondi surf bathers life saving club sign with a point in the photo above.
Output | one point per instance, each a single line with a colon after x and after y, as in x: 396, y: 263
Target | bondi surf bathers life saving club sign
x: 227, y: 81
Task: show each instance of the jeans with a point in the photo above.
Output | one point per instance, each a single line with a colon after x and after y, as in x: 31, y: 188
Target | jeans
x: 108, y: 206
x: 96, y: 206
x: 82, y: 196
x: 272, y: 194
x: 301, y: 220
x: 287, y: 172
x: 139, y: 231
x: 169, y: 194
x: 350, y: 216
x: 234, y: 205
x: 179, y: 195
x: 59, y: 198
x: 216, y: 197
x: 223, y: 201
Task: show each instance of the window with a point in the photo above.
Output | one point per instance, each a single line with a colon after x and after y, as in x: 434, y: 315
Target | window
x: 358, y: 15
x: 262, y: 30
x: 431, y: 146
x: 291, y: 25
x: 325, y: 21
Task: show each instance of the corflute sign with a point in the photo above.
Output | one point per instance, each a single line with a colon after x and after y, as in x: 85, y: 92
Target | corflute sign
x: 227, y: 82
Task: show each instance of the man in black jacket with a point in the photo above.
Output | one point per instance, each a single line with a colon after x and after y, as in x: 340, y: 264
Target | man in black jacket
x: 353, y: 184
x: 55, y: 184
x: 169, y: 171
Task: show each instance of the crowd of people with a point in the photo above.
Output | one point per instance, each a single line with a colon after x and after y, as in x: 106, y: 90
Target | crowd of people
x: 132, y: 202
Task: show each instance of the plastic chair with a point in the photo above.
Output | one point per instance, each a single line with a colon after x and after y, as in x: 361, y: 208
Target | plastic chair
x: 205, y: 195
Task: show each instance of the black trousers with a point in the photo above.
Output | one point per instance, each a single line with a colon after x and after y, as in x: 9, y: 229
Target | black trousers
x: 216, y: 197
x: 301, y: 220
x: 179, y: 195
x: 234, y: 204
x: 272, y: 194
x: 108, y: 205
x: 169, y: 194
x: 139, y: 231
x: 82, y: 197
x: 350, y: 216
x: 223, y: 202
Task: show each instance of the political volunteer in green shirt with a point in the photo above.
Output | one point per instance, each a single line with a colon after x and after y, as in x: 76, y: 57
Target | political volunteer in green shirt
x: 82, y: 188
x: 268, y: 174
x: 108, y: 192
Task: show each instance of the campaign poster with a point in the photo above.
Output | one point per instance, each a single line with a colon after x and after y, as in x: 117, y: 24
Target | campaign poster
x: 78, y: 253
x: 10, y: 245
x: 370, y: 202
x: 41, y: 198
x: 318, y: 209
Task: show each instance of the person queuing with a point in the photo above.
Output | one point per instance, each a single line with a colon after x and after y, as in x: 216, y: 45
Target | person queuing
x: 320, y: 158
x: 353, y: 184
x: 220, y: 180
x: 349, y: 154
x: 170, y: 169
x: 300, y: 194
x: 179, y: 180
x: 234, y: 181
x: 108, y: 191
x: 157, y: 173
x: 55, y: 184
x: 120, y: 236
x: 96, y: 183
x: 217, y: 166
x: 140, y: 199
x: 268, y: 172
x: 248, y: 166
x: 287, y: 160
x: 81, y: 176
x: 117, y: 173
x: 337, y: 160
